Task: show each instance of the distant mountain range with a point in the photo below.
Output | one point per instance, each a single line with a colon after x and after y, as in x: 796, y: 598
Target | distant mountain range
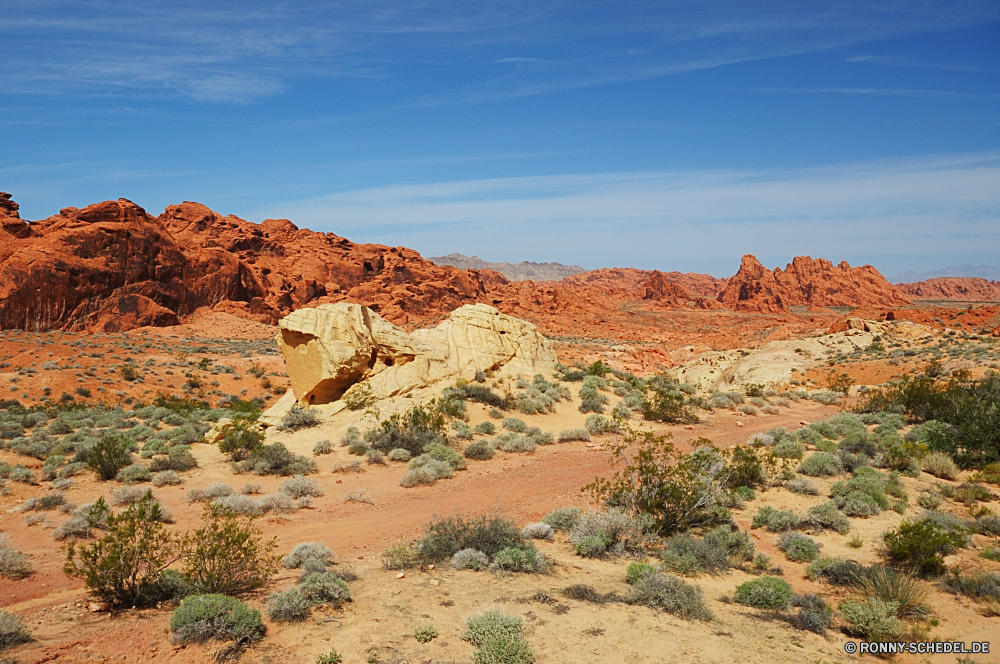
x: 514, y: 271
x: 963, y: 270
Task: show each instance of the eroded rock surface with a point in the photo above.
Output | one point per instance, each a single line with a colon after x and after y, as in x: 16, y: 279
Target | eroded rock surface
x: 329, y: 348
x: 809, y: 283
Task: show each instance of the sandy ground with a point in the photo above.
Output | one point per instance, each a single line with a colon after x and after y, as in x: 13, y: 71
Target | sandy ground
x: 378, y: 625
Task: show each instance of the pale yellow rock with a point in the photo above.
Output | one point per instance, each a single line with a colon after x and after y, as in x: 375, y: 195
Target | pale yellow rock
x: 331, y: 347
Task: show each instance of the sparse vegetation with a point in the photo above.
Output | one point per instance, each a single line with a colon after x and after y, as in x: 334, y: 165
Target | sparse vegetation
x: 214, y: 616
x: 767, y: 592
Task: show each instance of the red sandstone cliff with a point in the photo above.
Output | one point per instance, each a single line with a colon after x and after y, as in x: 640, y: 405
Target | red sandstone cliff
x: 968, y: 289
x: 810, y: 283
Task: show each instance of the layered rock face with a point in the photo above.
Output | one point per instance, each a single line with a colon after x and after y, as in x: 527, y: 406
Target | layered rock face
x: 810, y: 283
x: 112, y: 267
x: 967, y: 289
x: 329, y: 348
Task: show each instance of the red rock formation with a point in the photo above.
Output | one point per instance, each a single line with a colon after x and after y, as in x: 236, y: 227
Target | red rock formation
x: 966, y: 289
x: 809, y: 283
x: 658, y: 288
x: 631, y: 280
x: 112, y: 267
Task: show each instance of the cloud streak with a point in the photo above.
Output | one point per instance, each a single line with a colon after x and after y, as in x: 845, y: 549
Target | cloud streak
x: 947, y: 204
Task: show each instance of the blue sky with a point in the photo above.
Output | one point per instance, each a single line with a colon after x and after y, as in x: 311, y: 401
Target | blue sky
x: 669, y: 135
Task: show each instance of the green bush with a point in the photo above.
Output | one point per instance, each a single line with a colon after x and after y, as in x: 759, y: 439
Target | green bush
x: 275, y: 459
x: 487, y: 428
x: 616, y: 532
x: 399, y: 556
x: 871, y: 618
x: 922, y: 545
x: 659, y: 590
x: 767, y: 592
x: 563, y: 518
x: 320, y: 587
x: 480, y: 450
x: 837, y: 571
x: 636, y: 571
x: 359, y: 396
x: 591, y: 546
x: 228, y: 554
x: 798, y: 548
x: 886, y: 584
x: 425, y: 633
x: 667, y: 406
x: 821, y: 464
x: 110, y: 454
x: 789, y: 449
x: 417, y: 428
x: 491, y: 624
x: 204, y: 617
x: 288, y: 605
x: 13, y: 563
x: 240, y: 438
x: 487, y: 533
x: 814, y: 615
x: 519, y: 559
x: 13, y: 631
x: 125, y: 565
x: 332, y: 657
x: 775, y: 521
x: 716, y: 552
x: 134, y: 474
x: 470, y: 559
x: 826, y: 516
x: 298, y: 418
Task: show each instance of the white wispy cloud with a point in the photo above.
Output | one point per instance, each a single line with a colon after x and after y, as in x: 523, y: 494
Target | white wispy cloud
x: 944, y: 204
x: 886, y: 92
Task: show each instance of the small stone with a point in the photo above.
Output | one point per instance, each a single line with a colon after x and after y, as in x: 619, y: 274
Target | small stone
x: 401, y: 575
x: 96, y: 607
x: 430, y: 567
x: 435, y: 582
x: 739, y: 424
x: 689, y: 428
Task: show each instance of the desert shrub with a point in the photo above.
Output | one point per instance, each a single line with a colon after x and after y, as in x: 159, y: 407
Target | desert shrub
x: 12, y: 631
x: 827, y: 516
x: 480, y: 450
x: 616, y: 532
x: 921, y: 545
x: 677, y: 490
x: 798, y: 548
x: 538, y: 531
x: 940, y: 465
x: 573, y: 434
x: 213, y: 490
x: 989, y: 524
x: 518, y: 559
x: 227, y: 554
x: 308, y: 551
x: 332, y: 657
x: 178, y: 458
x: 125, y: 565
x: 514, y: 442
x: 928, y: 500
x: 563, y: 518
x: 399, y: 454
x: 977, y: 585
x: 299, y: 486
x: 19, y: 473
x: 202, y: 617
x: 598, y: 425
x: 166, y: 478
x: 514, y: 424
x: 498, y: 637
x: 774, y: 520
x: 802, y: 485
x: 288, y: 605
x: 487, y: 428
x: 481, y: 394
x: 13, y: 563
x: 320, y: 587
x: 324, y: 446
x: 470, y: 559
x: 970, y: 493
x: 110, y: 454
x: 298, y: 418
x: 837, y: 571
x: 49, y: 501
x: 359, y: 396
x: 239, y: 504
x: 667, y: 592
x: 814, y: 615
x: 789, y: 449
x: 426, y: 472
x: 767, y: 592
x: 871, y: 618
x: 487, y: 533
x: 127, y: 495
x: 886, y: 584
x: 360, y: 448
x: 240, y: 438
x: 716, y: 552
x: 662, y: 405
x: 399, y: 556
x: 133, y: 474
x: 275, y: 459
x: 417, y: 428
x: 351, y: 435
x: 636, y: 571
x: 425, y: 633
x: 821, y: 464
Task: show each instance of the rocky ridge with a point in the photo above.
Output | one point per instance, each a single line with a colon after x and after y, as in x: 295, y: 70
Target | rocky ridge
x: 966, y: 289
x: 808, y: 282
x: 514, y: 271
